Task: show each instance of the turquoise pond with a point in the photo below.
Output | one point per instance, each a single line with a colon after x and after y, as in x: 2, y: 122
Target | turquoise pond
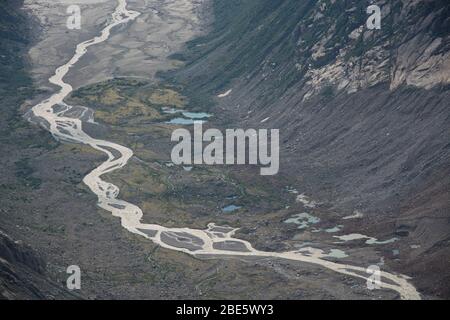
x: 230, y: 208
x: 188, y: 118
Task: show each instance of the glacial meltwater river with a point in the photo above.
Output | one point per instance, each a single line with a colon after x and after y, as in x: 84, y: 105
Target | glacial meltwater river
x: 215, y: 241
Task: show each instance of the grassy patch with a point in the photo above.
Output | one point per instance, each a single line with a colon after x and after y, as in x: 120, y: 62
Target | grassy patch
x: 167, y: 97
x: 24, y: 172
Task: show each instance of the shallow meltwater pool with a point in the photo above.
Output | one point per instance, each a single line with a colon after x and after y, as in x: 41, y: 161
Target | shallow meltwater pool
x: 369, y: 240
x: 187, y: 118
x: 338, y: 254
x: 303, y: 220
x: 184, y: 121
x: 230, y: 208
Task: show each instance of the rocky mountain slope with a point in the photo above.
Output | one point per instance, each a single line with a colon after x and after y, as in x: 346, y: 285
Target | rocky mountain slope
x: 363, y: 114
x: 23, y: 273
x: 316, y: 44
